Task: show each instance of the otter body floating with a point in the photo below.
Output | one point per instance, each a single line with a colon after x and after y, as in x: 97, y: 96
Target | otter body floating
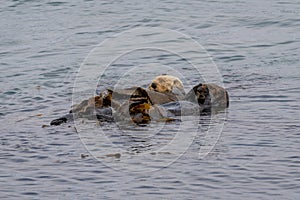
x: 141, y: 106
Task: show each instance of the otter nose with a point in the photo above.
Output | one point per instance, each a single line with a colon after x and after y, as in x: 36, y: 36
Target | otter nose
x: 153, y: 85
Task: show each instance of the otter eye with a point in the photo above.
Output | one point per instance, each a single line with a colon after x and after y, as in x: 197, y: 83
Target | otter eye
x: 153, y: 85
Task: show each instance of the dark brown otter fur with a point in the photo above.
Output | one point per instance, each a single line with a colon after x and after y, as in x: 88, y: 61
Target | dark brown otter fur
x: 209, y: 96
x: 138, y: 104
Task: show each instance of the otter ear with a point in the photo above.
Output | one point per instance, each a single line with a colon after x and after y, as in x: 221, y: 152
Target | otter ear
x: 197, y: 88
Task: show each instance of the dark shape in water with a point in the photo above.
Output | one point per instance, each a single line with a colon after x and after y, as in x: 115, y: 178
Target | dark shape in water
x: 142, y: 106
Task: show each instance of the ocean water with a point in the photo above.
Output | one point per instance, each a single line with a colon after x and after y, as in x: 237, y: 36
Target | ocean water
x: 250, y: 151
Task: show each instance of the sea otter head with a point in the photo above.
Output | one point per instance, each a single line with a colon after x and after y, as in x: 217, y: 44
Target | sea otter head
x: 202, y: 93
x: 167, y: 84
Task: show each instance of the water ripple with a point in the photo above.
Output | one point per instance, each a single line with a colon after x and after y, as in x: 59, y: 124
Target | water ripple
x: 255, y: 45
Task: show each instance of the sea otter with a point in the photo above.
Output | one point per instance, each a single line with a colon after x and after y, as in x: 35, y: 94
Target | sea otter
x: 164, y: 99
x: 167, y: 83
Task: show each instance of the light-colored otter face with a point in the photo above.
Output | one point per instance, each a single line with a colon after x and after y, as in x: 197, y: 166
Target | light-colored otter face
x: 167, y: 83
